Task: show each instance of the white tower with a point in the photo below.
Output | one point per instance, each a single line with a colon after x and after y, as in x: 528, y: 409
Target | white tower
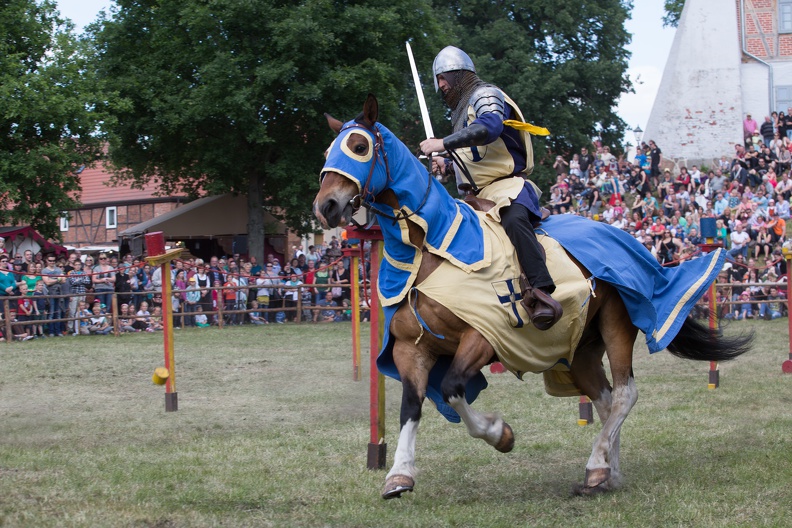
x: 697, y: 115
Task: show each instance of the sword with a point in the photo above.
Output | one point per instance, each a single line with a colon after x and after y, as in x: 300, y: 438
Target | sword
x: 419, y: 91
x: 422, y: 104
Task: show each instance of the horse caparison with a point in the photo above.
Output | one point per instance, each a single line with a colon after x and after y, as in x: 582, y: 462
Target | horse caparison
x: 608, y: 330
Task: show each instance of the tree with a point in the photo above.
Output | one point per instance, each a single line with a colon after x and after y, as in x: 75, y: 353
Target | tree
x: 563, y: 61
x: 48, y: 115
x: 228, y: 96
x: 673, y: 9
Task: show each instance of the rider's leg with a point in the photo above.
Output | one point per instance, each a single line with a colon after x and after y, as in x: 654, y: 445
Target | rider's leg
x: 541, y: 307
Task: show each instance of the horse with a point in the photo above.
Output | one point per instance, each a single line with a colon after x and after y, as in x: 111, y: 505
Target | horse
x: 367, y: 165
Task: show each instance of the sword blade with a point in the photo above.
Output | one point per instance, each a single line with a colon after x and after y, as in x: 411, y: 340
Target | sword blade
x: 419, y: 91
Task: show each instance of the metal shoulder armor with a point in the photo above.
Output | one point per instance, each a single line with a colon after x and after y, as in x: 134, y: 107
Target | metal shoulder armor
x: 488, y: 98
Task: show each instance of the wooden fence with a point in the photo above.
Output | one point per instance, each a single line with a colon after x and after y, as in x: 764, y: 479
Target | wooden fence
x: 10, y: 303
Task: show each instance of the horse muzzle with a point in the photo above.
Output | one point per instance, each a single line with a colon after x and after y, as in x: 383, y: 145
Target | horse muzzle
x: 334, y: 213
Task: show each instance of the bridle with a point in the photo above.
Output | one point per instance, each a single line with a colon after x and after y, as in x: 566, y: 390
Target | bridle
x: 366, y: 197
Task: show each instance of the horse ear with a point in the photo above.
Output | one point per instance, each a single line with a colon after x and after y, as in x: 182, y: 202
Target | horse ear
x: 334, y: 123
x: 371, y: 110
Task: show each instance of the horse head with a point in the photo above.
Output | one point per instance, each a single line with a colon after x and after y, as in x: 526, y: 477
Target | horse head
x: 355, y: 168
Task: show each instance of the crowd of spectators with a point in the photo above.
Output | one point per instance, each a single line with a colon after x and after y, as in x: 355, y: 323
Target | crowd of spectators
x: 748, y: 195
x: 49, y: 287
x: 662, y: 205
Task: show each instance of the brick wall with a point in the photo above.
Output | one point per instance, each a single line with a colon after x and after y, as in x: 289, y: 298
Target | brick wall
x: 785, y: 45
x: 762, y: 38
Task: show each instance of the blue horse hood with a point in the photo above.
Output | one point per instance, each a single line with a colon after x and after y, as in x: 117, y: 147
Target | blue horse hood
x: 452, y: 229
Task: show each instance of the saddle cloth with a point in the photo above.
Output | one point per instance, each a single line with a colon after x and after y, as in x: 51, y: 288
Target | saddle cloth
x: 489, y: 301
x: 658, y: 300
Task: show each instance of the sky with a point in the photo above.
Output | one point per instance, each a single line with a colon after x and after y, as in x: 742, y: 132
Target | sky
x: 650, y: 46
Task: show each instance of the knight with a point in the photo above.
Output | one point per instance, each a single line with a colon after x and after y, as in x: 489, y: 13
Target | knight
x: 493, y: 161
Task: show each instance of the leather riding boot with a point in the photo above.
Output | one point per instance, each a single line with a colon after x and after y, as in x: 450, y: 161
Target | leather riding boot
x: 542, y: 309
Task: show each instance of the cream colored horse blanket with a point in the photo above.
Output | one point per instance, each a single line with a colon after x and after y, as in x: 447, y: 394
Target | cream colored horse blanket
x: 489, y: 301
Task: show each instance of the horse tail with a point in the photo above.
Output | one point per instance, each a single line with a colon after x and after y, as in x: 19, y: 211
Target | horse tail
x: 701, y: 343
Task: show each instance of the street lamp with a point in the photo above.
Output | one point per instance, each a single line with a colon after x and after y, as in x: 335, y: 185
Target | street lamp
x: 638, y: 135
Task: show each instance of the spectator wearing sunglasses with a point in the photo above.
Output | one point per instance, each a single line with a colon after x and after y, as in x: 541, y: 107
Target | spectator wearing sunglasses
x: 104, y: 278
x: 54, y: 279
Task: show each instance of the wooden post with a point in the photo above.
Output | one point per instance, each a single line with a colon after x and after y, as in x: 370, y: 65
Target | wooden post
x: 157, y: 256
x: 298, y: 315
x: 220, y: 303
x: 7, y: 314
x: 114, y: 311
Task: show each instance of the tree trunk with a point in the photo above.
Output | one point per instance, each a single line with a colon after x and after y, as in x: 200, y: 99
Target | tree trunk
x: 255, y: 218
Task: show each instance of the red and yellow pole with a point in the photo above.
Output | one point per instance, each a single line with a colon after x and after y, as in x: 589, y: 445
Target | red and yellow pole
x: 714, y: 372
x: 786, y: 366
x: 585, y: 411
x: 354, y: 275
x: 377, y: 447
x: 157, y: 256
x: 709, y: 232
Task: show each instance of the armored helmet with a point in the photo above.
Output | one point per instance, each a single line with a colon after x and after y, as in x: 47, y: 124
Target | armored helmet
x: 449, y: 59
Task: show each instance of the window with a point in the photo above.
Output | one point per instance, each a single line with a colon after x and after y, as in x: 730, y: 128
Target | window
x: 784, y: 16
x: 64, y: 221
x: 783, y: 98
x: 111, y: 217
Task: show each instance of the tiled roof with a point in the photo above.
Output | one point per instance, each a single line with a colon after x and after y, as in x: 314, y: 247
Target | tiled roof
x: 97, y: 190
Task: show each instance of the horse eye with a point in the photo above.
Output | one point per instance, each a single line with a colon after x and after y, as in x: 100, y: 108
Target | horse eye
x: 360, y: 149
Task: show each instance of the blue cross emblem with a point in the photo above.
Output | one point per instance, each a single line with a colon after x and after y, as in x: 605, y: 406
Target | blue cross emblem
x: 509, y: 297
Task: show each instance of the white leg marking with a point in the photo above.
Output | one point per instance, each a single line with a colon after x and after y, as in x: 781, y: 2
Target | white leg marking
x: 404, y: 459
x: 603, y: 405
x: 486, y: 426
x: 605, y: 452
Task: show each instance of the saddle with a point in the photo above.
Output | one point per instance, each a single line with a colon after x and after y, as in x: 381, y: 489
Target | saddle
x: 542, y: 309
x: 484, y: 205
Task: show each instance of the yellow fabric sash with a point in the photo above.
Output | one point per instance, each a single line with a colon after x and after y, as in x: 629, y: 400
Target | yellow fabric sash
x: 527, y: 127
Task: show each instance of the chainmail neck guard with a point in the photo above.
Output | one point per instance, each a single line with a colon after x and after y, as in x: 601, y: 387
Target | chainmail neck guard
x: 463, y: 83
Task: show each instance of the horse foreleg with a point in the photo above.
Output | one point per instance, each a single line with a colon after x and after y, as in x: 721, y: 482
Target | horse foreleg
x: 603, y: 470
x: 603, y: 467
x: 414, y: 373
x: 473, y: 353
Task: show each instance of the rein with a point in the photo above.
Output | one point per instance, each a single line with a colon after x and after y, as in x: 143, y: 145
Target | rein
x: 462, y: 167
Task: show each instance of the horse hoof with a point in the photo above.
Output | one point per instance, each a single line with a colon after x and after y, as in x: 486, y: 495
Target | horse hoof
x: 597, y: 477
x: 598, y: 481
x: 506, y: 442
x: 581, y: 490
x: 396, y: 485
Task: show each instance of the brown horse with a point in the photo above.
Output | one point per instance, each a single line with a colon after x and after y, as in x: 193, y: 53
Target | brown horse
x: 367, y: 151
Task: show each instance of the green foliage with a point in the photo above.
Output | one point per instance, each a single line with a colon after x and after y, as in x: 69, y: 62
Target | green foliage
x: 563, y: 61
x: 229, y: 96
x: 673, y: 10
x: 48, y: 115
x: 224, y: 95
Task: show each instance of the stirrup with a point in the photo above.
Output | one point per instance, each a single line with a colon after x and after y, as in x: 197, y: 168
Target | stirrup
x: 543, y: 311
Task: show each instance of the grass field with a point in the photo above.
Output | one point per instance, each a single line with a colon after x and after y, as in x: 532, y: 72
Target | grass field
x: 272, y: 431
